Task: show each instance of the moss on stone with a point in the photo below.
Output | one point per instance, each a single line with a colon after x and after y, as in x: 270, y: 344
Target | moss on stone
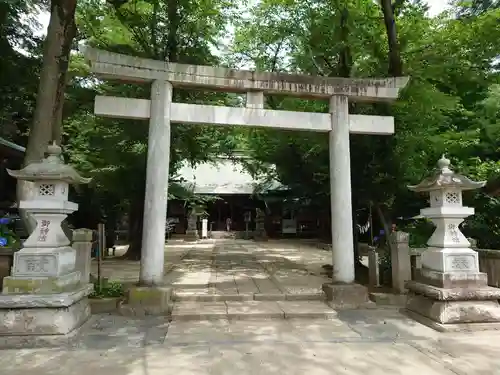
x: 149, y: 296
x: 47, y: 285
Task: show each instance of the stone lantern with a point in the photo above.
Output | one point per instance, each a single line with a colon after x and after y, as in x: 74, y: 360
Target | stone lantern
x: 449, y: 290
x: 43, y: 273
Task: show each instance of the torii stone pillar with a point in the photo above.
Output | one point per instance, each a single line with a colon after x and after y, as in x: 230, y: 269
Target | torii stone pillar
x: 155, y: 203
x: 340, y: 192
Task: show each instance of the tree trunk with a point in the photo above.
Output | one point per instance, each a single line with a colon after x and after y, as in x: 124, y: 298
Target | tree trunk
x: 395, y: 70
x: 46, y: 124
x: 137, y: 205
x: 173, y: 27
x: 357, y: 261
x: 345, y: 57
x: 135, y: 229
x: 395, y: 62
x: 387, y: 224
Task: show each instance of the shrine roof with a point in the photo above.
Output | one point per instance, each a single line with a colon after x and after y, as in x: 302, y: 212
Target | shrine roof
x: 223, y: 177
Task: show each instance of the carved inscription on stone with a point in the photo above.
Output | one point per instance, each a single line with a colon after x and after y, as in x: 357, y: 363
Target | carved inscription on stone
x: 44, y: 230
x: 460, y: 262
x: 453, y: 230
x: 35, y: 265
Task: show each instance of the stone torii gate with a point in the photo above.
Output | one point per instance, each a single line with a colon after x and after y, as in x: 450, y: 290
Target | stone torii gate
x: 161, y: 112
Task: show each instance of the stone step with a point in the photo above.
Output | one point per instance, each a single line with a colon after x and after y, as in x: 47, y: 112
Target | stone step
x: 251, y: 310
x: 184, y: 296
x: 388, y: 299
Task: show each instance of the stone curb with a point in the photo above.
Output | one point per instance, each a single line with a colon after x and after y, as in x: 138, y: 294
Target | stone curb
x: 250, y: 311
x: 182, y: 297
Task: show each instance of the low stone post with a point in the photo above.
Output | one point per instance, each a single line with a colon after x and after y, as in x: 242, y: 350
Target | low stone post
x: 373, y: 267
x: 260, y: 228
x: 400, y: 260
x: 82, y: 243
x: 416, y: 261
x: 192, y: 226
x: 204, y: 228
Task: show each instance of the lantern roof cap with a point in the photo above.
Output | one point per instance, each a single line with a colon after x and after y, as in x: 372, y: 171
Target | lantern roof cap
x: 444, y: 177
x: 51, y: 168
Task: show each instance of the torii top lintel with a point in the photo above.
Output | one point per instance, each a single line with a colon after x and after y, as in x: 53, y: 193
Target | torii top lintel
x: 134, y: 69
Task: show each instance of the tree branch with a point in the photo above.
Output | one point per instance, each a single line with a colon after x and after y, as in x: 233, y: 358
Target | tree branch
x: 137, y: 33
x: 396, y: 5
x: 275, y: 57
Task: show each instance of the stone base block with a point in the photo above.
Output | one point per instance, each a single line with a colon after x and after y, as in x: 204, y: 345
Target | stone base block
x: 41, y: 341
x: 451, y: 279
x: 485, y: 293
x: 449, y: 259
x: 54, y: 314
x: 440, y: 327
x: 6, y: 262
x: 346, y: 295
x: 388, y: 299
x: 454, y: 312
x: 454, y: 309
x: 52, y: 261
x: 41, y: 285
x: 147, y: 301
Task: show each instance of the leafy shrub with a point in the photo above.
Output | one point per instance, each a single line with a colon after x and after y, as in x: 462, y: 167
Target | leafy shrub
x: 7, y: 236
x: 108, y: 290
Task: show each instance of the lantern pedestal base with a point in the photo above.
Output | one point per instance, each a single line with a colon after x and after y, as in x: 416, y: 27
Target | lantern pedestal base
x: 462, y: 327
x: 41, y: 285
x: 38, y: 315
x: 455, y: 308
x: 450, y: 280
x: 450, y: 259
x: 44, y: 262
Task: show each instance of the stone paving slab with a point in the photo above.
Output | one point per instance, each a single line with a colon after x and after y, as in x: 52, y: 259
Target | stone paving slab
x: 114, y: 345
x: 199, y: 310
x: 229, y: 267
x: 374, y: 341
x: 306, y: 310
x: 386, y: 323
x: 251, y: 310
x: 210, y: 296
x: 266, y: 358
x: 254, y: 310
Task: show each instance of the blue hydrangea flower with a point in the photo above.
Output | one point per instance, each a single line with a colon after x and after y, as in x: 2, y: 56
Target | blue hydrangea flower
x: 375, y: 239
x: 3, y: 241
x: 4, y: 220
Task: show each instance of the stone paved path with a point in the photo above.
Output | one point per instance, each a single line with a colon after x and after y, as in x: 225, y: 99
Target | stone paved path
x: 350, y: 342
x: 235, y: 267
x: 357, y: 342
